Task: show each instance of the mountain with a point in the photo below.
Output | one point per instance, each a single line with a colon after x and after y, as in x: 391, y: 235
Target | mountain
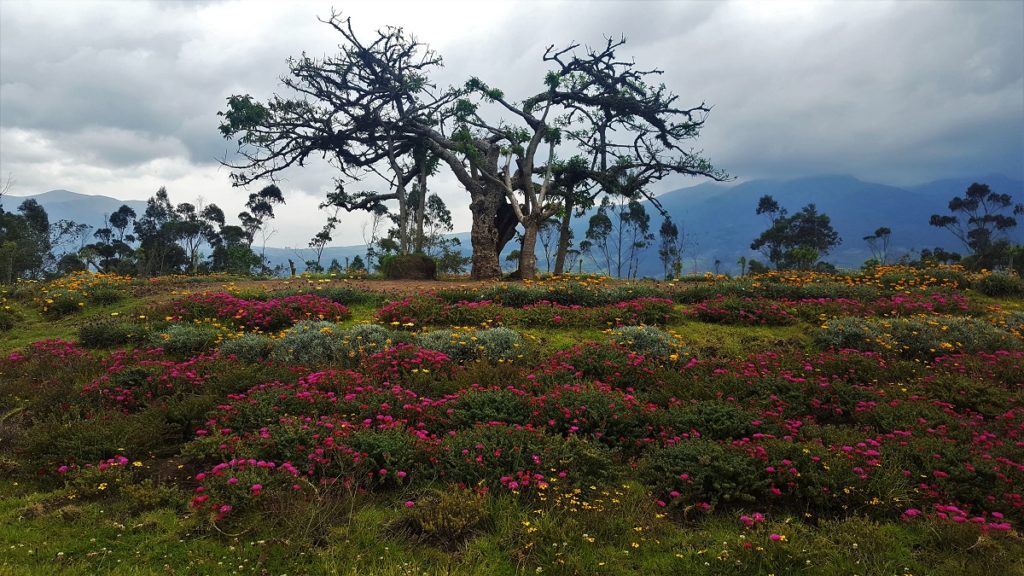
x: 724, y: 222
x: 82, y: 208
x: 719, y: 219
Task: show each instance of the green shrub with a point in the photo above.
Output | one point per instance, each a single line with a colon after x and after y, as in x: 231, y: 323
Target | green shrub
x: 445, y: 518
x: 367, y: 339
x: 103, y: 294
x: 185, y: 340
x: 409, y: 267
x: 513, y: 295
x: 72, y: 438
x: 486, y: 453
x: 745, y: 288
x: 703, y: 471
x: 61, y: 304
x: 713, y: 420
x: 494, y: 405
x: 646, y: 340
x: 916, y: 338
x: 111, y: 332
x: 309, y: 343
x: 499, y: 343
x: 249, y: 347
x: 999, y: 285
x: 382, y: 454
x: 9, y: 317
x: 341, y: 294
x: 493, y: 344
x: 455, y: 344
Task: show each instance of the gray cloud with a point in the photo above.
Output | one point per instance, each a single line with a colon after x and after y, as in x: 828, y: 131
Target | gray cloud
x: 119, y: 97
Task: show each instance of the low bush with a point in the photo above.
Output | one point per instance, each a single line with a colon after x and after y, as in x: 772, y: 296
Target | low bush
x: 916, y: 338
x: 702, y: 472
x: 1000, y: 285
x: 265, y: 315
x: 445, y: 518
x: 111, y: 332
x: 408, y: 267
x: 364, y: 340
x: 756, y: 311
x: 646, y: 340
x: 493, y: 344
x: 309, y: 343
x: 518, y: 458
x: 489, y: 405
x: 248, y: 347
x: 9, y: 317
x: 185, y: 340
x: 418, y: 311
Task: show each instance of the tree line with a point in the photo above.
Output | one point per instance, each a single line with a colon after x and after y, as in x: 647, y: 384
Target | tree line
x: 164, y: 239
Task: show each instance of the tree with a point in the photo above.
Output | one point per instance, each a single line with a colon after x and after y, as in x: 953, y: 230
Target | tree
x: 796, y: 241
x: 364, y: 109
x: 617, y: 235
x: 670, y: 247
x: 547, y: 236
x: 112, y: 251
x: 372, y: 105
x: 979, y: 223
x: 33, y: 247
x: 596, y: 245
x: 578, y: 194
x: 320, y: 240
x: 879, y: 244
x: 156, y: 231
x: 24, y: 241
x: 194, y: 225
x: 120, y: 220
x: 259, y: 209
x: 636, y: 224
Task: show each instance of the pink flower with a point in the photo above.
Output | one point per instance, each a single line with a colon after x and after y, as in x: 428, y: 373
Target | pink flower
x: 256, y: 489
x: 232, y: 480
x: 776, y: 537
x: 409, y: 503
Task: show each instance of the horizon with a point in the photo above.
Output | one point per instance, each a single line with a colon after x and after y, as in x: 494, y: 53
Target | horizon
x: 849, y: 254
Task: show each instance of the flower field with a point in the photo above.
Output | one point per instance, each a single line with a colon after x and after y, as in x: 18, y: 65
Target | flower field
x: 870, y: 424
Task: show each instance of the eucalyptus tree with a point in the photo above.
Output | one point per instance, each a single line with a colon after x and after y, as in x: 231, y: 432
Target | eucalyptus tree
x: 259, y: 209
x: 978, y: 221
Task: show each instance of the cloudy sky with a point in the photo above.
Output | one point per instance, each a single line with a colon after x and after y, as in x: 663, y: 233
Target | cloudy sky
x: 120, y: 98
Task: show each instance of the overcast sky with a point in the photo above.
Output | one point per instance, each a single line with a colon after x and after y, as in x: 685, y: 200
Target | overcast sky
x: 120, y: 98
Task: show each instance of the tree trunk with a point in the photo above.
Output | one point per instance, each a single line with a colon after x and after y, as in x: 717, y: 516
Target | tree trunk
x: 403, y: 219
x: 528, y: 250
x: 563, y: 237
x: 484, y: 236
x: 421, y: 207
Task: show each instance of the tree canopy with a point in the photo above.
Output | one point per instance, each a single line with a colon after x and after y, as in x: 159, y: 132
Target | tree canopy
x: 372, y: 109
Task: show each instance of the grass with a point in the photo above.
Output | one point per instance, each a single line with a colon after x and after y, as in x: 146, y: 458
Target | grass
x: 613, y: 527
x: 55, y: 534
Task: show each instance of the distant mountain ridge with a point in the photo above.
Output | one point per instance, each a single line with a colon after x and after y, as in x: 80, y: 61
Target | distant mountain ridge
x: 719, y: 219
